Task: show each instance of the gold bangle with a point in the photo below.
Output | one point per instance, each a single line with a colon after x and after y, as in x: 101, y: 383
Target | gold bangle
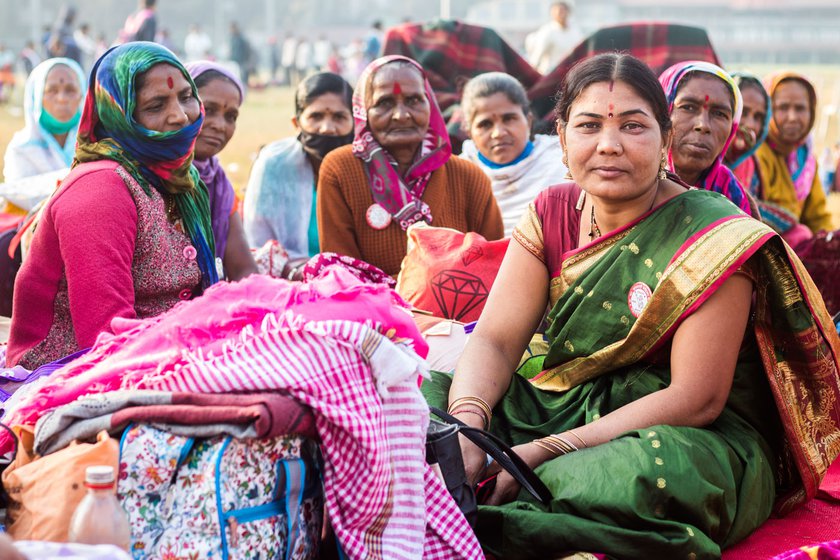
x: 565, y: 442
x: 555, y: 445
x: 473, y: 411
x: 479, y: 402
x: 546, y: 447
x: 580, y: 439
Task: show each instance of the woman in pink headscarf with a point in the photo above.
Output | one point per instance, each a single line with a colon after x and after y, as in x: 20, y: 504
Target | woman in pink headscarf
x: 705, y: 106
x: 398, y: 172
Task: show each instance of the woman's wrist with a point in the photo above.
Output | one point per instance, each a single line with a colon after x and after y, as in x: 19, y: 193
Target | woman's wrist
x: 474, y: 406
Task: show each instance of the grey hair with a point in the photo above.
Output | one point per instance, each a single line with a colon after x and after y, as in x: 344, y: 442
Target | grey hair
x: 491, y: 83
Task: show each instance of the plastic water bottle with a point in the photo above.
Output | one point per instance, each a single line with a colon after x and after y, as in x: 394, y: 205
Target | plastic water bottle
x: 100, y: 519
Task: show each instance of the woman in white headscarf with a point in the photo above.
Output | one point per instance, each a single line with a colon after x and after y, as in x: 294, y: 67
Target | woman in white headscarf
x: 52, y: 107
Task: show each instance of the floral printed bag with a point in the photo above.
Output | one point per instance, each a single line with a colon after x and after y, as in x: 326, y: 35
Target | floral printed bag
x: 221, y: 497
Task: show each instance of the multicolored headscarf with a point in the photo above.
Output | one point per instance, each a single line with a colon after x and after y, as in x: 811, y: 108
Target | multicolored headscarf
x: 745, y: 79
x: 718, y: 178
x: 160, y: 160
x: 219, y: 189
x: 799, y: 156
x: 400, y: 196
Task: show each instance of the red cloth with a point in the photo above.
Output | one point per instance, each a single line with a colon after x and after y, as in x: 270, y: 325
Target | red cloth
x: 814, y: 522
x: 272, y: 414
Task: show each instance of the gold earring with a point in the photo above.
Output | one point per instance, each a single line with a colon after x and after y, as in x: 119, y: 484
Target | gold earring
x: 568, y: 169
x: 663, y: 163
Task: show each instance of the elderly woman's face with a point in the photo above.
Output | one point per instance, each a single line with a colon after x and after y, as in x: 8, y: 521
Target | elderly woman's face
x: 499, y: 128
x: 702, y: 119
x: 398, y: 111
x: 613, y: 141
x: 165, y: 101
x: 62, y: 93
x: 221, y: 109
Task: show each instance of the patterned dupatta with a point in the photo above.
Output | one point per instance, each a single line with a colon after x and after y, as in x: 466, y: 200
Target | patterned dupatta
x: 718, y: 177
x: 159, y: 160
x: 621, y: 298
x: 399, y: 196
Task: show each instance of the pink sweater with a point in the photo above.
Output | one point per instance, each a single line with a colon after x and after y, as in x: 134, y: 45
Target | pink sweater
x: 103, y: 249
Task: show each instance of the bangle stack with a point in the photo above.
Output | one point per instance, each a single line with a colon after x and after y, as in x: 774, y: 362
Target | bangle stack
x: 556, y: 445
x: 577, y: 437
x: 476, y: 405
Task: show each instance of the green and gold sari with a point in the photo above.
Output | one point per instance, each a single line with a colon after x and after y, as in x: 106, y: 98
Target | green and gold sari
x: 667, y: 491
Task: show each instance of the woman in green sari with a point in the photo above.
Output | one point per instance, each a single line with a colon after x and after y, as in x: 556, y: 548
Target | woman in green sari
x: 689, y: 379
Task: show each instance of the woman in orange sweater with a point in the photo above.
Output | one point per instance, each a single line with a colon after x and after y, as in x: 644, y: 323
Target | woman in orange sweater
x: 398, y: 172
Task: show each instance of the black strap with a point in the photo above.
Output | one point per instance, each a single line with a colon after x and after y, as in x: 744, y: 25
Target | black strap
x: 502, y: 454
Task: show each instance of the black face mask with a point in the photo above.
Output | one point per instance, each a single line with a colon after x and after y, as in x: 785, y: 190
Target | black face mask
x: 319, y: 145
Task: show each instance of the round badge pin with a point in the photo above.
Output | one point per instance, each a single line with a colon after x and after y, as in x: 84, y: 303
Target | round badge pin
x: 638, y: 298
x: 377, y: 217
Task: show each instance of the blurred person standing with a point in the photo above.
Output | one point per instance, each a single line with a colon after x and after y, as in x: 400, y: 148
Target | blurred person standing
x: 61, y: 42
x: 241, y: 53
x: 373, y: 43
x: 86, y: 44
x: 288, y: 54
x: 197, y: 44
x: 142, y: 24
x: 29, y: 57
x: 321, y: 53
x: 273, y: 60
x: 547, y: 46
x: 303, y: 60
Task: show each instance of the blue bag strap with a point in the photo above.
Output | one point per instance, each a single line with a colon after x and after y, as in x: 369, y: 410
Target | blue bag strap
x: 295, y: 471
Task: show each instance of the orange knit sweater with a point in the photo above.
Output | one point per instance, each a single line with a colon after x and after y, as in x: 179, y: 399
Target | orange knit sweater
x: 458, y: 195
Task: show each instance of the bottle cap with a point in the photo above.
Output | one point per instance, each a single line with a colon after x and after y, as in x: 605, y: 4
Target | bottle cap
x: 99, y: 475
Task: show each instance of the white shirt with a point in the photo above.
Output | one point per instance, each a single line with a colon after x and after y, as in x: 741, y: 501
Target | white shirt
x: 197, y: 46
x: 549, y: 44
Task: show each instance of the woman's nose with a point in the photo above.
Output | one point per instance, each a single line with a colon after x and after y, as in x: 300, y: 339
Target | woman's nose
x: 178, y: 116
x: 327, y: 127
x: 701, y: 123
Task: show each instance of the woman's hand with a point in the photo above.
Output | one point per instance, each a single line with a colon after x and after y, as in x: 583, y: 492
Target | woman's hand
x: 475, y: 461
x: 507, y: 488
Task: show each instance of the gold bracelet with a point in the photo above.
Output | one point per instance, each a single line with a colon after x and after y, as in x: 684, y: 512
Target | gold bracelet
x: 473, y: 411
x: 544, y: 446
x: 556, y: 444
x: 580, y: 439
x: 479, y: 402
x: 565, y: 442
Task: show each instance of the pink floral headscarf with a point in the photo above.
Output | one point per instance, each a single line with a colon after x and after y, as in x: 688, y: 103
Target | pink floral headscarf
x: 718, y: 178
x: 399, y: 196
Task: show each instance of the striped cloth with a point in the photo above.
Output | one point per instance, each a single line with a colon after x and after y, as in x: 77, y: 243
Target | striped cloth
x: 383, y: 499
x: 343, y: 348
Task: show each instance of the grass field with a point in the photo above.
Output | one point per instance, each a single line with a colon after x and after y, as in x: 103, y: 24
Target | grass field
x: 265, y: 117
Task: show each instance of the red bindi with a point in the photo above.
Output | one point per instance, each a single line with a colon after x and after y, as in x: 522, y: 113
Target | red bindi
x: 170, y: 82
x: 610, y: 115
x: 706, y: 103
x: 397, y: 88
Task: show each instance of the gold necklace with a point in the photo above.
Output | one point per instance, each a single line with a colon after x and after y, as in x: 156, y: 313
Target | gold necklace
x: 595, y: 231
x: 169, y: 206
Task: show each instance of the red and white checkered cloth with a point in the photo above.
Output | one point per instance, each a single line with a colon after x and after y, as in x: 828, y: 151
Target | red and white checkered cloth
x: 383, y: 499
